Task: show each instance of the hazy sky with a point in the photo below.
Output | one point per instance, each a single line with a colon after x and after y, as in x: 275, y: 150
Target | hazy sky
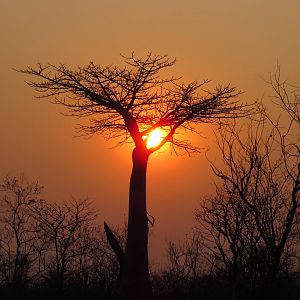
x: 237, y: 41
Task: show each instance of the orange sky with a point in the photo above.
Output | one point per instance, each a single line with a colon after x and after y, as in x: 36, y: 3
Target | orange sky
x: 226, y: 41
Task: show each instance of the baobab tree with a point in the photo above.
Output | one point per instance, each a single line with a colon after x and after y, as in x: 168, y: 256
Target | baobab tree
x: 129, y: 103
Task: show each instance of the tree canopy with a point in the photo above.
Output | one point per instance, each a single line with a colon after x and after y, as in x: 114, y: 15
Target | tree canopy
x: 132, y: 100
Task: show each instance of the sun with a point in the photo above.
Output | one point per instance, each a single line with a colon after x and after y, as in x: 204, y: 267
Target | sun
x: 154, y: 138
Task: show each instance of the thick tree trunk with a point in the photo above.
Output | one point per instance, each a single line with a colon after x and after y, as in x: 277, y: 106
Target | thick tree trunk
x: 135, y: 284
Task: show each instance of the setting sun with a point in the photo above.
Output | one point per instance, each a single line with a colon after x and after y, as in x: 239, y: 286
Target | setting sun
x: 155, y: 137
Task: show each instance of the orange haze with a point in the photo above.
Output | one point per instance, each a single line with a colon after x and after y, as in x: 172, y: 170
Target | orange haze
x: 226, y: 41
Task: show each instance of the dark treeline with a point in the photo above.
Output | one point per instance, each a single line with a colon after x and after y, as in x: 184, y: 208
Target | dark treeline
x: 50, y: 250
x: 57, y: 251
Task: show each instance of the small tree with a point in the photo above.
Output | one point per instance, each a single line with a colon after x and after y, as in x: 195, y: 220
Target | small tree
x: 132, y: 101
x: 184, y: 259
x: 66, y: 228
x: 21, y: 249
x: 262, y: 169
x: 184, y: 268
x: 229, y: 235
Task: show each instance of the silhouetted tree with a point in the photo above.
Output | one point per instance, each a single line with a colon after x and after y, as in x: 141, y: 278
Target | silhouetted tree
x: 66, y: 228
x: 261, y: 170
x: 230, y: 236
x: 185, y: 258
x: 21, y: 249
x: 132, y: 101
x: 184, y: 266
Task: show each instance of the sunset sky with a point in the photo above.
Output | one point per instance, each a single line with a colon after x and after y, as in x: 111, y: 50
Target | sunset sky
x: 226, y: 41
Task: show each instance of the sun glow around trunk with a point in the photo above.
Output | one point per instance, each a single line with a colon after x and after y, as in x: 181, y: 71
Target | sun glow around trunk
x: 154, y: 138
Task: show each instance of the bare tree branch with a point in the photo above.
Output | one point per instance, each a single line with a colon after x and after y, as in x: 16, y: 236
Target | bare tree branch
x: 131, y: 101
